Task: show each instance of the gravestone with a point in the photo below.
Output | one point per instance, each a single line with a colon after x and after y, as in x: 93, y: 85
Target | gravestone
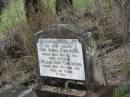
x: 61, y: 58
x: 67, y: 62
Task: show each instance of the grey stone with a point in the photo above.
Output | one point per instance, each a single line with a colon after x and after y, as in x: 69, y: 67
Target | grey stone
x: 93, y: 71
x: 16, y: 91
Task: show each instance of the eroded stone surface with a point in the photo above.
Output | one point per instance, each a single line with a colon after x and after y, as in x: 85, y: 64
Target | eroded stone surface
x: 16, y: 91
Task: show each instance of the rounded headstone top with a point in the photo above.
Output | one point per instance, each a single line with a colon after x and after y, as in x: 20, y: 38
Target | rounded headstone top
x: 65, y: 31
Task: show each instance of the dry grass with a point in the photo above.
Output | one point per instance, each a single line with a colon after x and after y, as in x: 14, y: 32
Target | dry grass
x: 18, y: 56
x: 108, y: 22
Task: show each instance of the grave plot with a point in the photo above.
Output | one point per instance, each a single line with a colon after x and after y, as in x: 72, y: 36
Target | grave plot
x: 67, y: 64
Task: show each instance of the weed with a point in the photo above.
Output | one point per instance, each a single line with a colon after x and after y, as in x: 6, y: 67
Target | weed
x: 121, y: 91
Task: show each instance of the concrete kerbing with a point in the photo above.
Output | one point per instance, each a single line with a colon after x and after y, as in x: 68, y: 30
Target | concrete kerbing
x: 91, y: 94
x: 107, y: 91
x: 25, y: 93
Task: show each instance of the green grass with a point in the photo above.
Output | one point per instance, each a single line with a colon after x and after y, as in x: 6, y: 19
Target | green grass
x: 14, y: 13
x: 121, y: 91
x: 82, y: 3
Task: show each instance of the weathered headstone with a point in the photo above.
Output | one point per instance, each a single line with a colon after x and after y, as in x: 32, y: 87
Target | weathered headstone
x: 67, y: 61
x: 61, y: 58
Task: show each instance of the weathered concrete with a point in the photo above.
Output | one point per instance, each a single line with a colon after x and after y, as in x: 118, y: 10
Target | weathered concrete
x: 48, y: 91
x: 93, y: 71
x: 16, y: 91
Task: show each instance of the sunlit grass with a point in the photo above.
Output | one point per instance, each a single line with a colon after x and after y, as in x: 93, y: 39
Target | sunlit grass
x: 81, y: 3
x: 14, y: 13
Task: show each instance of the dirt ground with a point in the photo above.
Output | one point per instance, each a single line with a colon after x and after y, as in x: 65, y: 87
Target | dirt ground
x: 116, y: 64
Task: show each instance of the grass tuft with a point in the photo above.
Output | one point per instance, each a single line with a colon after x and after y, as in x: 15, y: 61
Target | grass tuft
x: 12, y: 15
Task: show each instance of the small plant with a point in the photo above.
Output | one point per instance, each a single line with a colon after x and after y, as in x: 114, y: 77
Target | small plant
x: 121, y: 91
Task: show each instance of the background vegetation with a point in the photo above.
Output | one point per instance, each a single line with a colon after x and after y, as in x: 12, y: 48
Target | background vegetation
x: 14, y: 13
x: 111, y: 22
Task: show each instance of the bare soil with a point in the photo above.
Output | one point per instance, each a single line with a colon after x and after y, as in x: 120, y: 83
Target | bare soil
x: 116, y: 64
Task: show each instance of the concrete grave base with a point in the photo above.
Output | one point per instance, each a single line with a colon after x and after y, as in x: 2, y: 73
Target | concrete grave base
x: 55, y: 45
x: 49, y: 91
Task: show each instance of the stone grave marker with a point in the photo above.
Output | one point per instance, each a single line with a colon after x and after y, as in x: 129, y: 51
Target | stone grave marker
x: 61, y: 58
x: 67, y: 61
